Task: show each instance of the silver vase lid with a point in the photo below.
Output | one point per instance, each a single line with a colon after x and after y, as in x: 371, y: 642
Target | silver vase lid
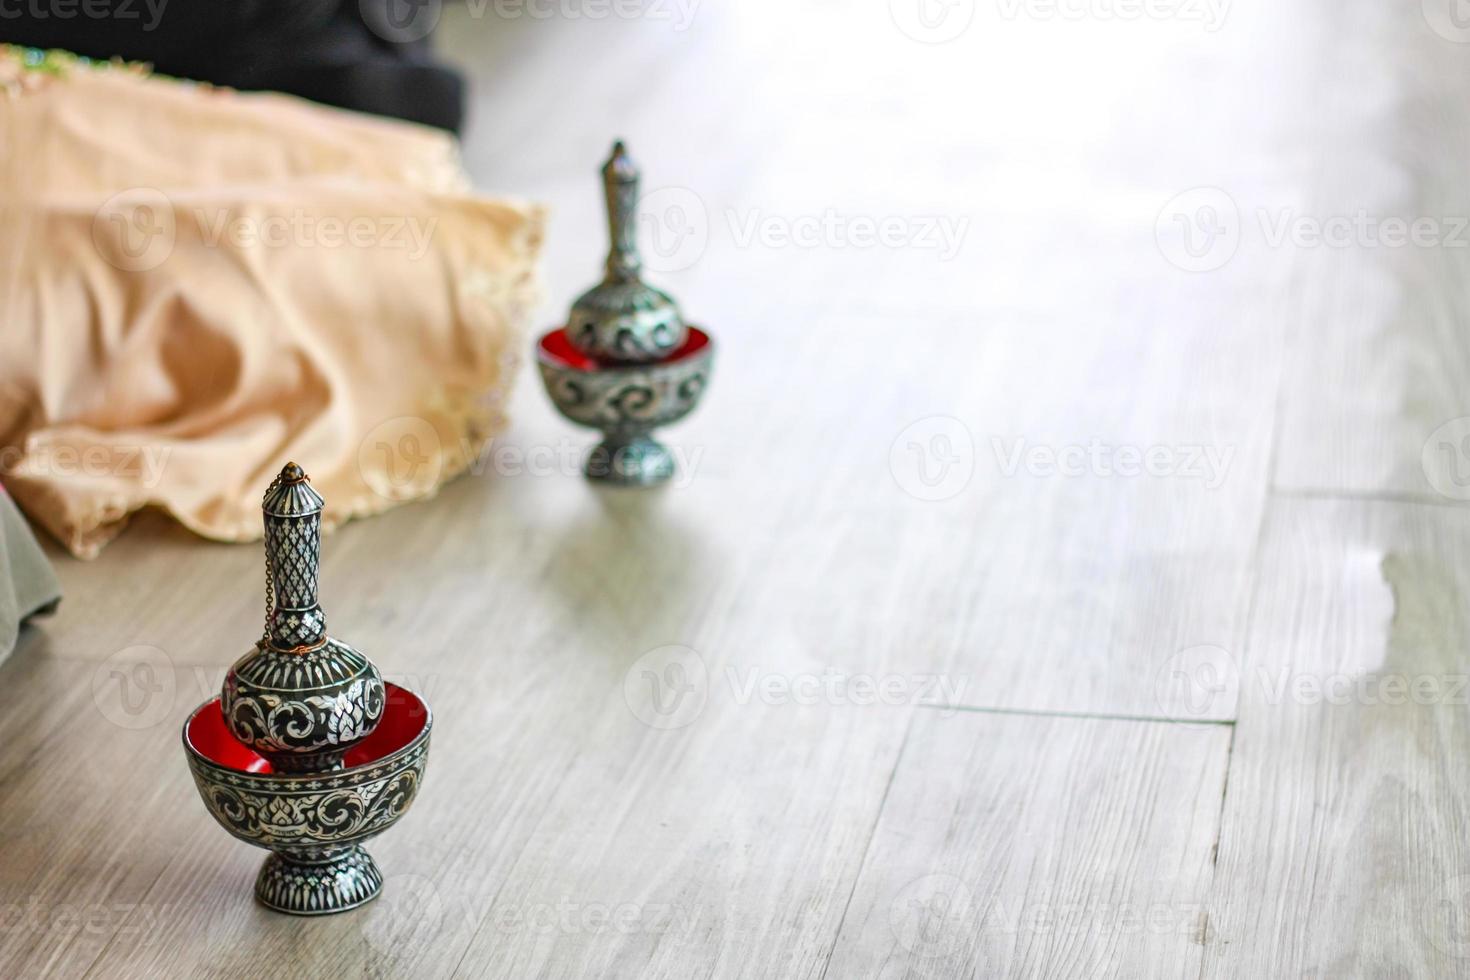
x: 623, y: 319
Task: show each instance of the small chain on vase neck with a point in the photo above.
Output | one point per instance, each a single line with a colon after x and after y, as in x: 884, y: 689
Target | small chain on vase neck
x: 270, y: 569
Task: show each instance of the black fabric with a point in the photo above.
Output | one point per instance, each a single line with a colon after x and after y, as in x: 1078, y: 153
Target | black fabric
x: 345, y: 53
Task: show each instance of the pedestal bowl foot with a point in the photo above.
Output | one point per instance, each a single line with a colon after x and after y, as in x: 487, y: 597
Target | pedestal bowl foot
x: 301, y: 887
x: 637, y: 462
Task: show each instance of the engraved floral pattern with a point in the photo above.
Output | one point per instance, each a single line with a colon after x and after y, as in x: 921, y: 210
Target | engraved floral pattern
x: 628, y: 399
x: 309, y: 814
x: 267, y: 706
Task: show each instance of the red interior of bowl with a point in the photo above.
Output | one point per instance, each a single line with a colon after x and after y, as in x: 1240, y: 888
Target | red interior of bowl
x: 557, y: 347
x: 404, y: 717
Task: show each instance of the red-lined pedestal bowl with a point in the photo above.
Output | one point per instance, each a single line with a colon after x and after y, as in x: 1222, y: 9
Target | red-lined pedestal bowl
x: 626, y: 402
x: 313, y: 823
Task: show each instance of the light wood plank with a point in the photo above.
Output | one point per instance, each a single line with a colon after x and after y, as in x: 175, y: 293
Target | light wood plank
x: 724, y: 848
x: 1342, y: 851
x: 1016, y: 846
x: 92, y: 814
x: 1377, y: 366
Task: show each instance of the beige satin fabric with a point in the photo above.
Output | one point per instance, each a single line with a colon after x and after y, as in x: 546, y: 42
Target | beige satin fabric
x: 199, y: 284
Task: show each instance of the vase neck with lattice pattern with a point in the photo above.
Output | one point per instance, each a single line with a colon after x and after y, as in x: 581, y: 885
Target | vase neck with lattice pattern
x: 292, y: 512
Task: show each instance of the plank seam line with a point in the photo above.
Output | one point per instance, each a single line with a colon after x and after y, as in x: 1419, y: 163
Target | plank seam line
x: 1080, y: 715
x: 1365, y: 496
x: 868, y: 845
x: 1215, y: 855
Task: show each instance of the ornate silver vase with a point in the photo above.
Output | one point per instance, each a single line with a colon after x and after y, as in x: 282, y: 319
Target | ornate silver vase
x: 307, y: 752
x: 626, y: 362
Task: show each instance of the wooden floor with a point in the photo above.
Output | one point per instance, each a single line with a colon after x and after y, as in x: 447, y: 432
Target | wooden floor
x: 1082, y: 595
